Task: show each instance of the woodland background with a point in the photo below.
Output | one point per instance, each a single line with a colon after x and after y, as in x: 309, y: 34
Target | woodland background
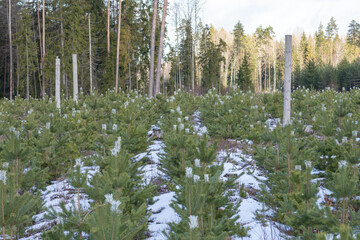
x: 196, y: 57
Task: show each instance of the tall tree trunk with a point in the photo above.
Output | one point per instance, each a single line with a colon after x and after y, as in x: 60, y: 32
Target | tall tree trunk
x: 152, y: 53
x: 193, y: 69
x: 90, y: 56
x: 17, y: 72
x: 43, y: 43
x: 260, y: 77
x: 118, y: 50
x: 265, y: 79
x: 41, y: 70
x: 27, y: 68
x: 11, y: 55
x: 226, y: 73
x: 177, y: 74
x: 161, y: 46
x: 196, y: 9
x: 5, y: 68
x: 269, y: 77
x: 108, y: 27
x: 130, y: 75
x: 274, y: 74
x: 62, y: 43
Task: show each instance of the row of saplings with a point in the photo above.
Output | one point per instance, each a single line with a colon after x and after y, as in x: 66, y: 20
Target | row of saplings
x: 298, y: 190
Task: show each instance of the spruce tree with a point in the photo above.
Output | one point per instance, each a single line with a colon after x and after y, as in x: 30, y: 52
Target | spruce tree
x: 344, y: 187
x: 245, y: 75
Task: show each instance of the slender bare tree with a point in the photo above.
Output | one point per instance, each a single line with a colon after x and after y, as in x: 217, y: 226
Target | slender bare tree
x: 62, y: 43
x: 176, y: 19
x: 27, y: 67
x: 152, y: 51
x: 118, y: 50
x: 11, y: 55
x: 90, y: 56
x: 5, y: 67
x: 161, y: 47
x: 40, y: 40
x: 108, y: 27
x: 43, y: 43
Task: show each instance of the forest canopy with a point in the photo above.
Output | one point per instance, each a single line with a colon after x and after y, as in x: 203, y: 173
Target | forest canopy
x: 196, y: 57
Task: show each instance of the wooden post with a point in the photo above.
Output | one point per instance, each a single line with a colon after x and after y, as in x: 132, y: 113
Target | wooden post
x: 75, y: 78
x: 287, y: 80
x: 57, y: 83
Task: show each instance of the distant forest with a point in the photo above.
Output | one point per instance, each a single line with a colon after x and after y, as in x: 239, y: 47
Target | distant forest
x: 199, y: 57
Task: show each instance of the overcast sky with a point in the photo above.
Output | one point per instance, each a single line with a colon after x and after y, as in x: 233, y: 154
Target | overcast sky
x: 285, y: 16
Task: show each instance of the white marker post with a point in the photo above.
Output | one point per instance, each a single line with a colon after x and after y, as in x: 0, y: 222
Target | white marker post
x: 287, y: 80
x: 75, y: 78
x: 57, y: 83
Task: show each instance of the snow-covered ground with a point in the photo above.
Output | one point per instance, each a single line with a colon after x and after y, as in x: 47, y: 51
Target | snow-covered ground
x: 161, y: 212
x: 152, y: 169
x: 243, y: 167
x: 161, y: 215
x: 59, y: 191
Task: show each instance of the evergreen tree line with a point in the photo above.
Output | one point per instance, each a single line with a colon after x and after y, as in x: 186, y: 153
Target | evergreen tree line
x: 256, y: 61
x: 199, y: 58
x: 75, y: 27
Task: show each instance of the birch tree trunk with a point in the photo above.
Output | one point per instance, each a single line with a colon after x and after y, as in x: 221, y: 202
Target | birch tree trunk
x: 260, y: 77
x: 274, y: 90
x: 118, y: 50
x: 161, y: 47
x: 90, y: 56
x: 152, y: 51
x: 11, y: 55
x: 287, y: 80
